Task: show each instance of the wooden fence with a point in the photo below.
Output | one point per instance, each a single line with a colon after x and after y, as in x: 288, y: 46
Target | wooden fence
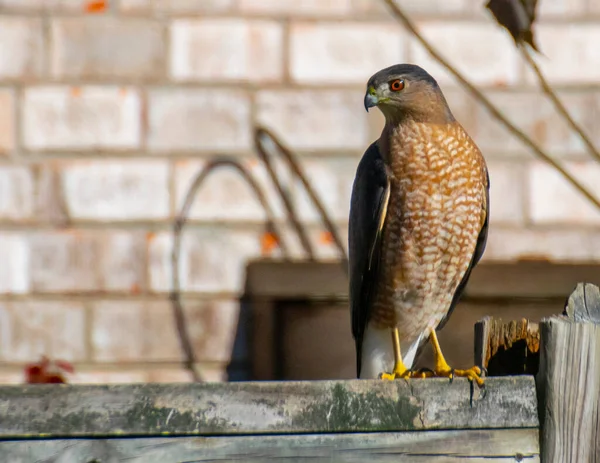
x: 552, y: 417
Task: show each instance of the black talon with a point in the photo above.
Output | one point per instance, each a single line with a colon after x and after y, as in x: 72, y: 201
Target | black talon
x: 452, y: 376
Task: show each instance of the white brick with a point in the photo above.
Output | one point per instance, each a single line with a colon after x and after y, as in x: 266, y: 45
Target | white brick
x: 437, y: 7
x: 117, y: 190
x: 212, y: 259
x: 51, y: 6
x: 343, y: 53
x: 193, y: 120
x: 21, y: 48
x: 561, y: 8
x: 64, y: 261
x: 14, y: 271
x: 319, y: 119
x: 226, y: 49
x: 81, y: 118
x: 507, y: 202
x: 99, y: 376
x: 572, y: 53
x: 323, y: 246
x: 483, y: 53
x: 31, y: 329
x: 225, y: 195
x: 16, y: 193
x: 176, y: 6
x: 332, y: 180
x: 554, y: 200
x: 7, y: 121
x: 287, y: 7
x: 145, y: 331
x: 123, y: 264
x: 107, y: 47
x: 535, y: 115
x: 555, y: 245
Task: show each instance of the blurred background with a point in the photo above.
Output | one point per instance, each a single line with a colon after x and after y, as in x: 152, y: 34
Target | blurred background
x: 110, y: 109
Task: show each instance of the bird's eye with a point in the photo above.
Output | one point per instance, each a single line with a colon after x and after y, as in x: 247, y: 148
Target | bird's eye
x: 397, y: 85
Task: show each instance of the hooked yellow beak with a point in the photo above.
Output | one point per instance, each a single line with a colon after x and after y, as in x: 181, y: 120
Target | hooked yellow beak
x: 371, y: 98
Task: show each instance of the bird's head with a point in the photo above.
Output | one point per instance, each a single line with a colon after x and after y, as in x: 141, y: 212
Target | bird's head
x: 407, y: 91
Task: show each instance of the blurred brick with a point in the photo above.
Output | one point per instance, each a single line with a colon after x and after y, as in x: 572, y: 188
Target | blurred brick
x: 323, y: 246
x: 107, y: 47
x: 225, y: 195
x: 16, y: 193
x: 213, y: 372
x: 47, y: 6
x: 14, y: 271
x: 50, y: 206
x: 507, y: 185
x: 555, y: 245
x: 212, y: 260
x: 125, y: 331
x: 145, y: 331
x: 12, y: 377
x: 21, y: 48
x: 371, y: 8
x: 64, y: 261
x: 343, y: 53
x: 226, y: 49
x: 212, y: 326
x: 106, y: 190
x: 31, y: 329
x: 572, y: 53
x: 123, y: 264
x: 332, y: 179
x: 99, y: 376
x: 438, y: 7
x: 206, y: 119
x: 305, y: 7
x: 554, y: 200
x: 86, y: 118
x: 482, y: 52
x: 169, y: 375
x: 532, y: 113
x: 7, y: 121
x: 561, y: 8
x: 176, y: 6
x: 315, y: 119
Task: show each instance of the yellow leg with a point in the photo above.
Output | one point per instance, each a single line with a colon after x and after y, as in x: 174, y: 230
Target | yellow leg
x: 400, y: 370
x: 442, y: 368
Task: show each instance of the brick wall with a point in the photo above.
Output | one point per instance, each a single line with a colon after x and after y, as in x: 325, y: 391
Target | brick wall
x: 108, y: 110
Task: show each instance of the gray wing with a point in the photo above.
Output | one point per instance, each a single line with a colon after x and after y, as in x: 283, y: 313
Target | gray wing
x: 479, y: 249
x: 368, y: 206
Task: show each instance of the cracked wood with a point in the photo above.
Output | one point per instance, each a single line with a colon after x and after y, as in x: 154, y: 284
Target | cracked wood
x: 265, y: 407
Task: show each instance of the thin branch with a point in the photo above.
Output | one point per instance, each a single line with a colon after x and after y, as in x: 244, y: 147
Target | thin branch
x: 291, y: 159
x: 178, y: 312
x: 399, y: 14
x: 557, y: 103
x: 283, y: 194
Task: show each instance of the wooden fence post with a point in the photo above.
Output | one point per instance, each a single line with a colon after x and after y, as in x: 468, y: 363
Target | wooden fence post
x: 568, y: 381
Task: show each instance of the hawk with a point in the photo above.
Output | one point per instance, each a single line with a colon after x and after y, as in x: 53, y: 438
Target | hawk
x: 418, y: 225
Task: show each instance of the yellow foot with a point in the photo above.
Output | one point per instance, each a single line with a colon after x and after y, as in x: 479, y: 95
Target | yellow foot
x: 399, y: 371
x: 474, y: 374
x: 442, y: 369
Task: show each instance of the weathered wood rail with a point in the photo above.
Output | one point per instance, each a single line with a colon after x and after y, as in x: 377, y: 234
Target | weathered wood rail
x: 549, y: 411
x: 316, y: 421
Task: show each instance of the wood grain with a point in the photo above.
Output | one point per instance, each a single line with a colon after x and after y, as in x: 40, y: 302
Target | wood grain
x: 569, y: 382
x: 409, y: 447
x: 507, y: 348
x: 265, y: 407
